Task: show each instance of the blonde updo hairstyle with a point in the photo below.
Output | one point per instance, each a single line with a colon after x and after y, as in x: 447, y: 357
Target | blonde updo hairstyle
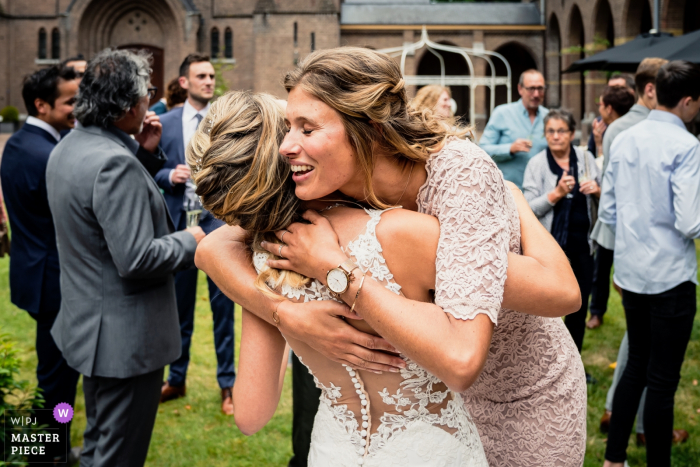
x: 427, y: 97
x: 368, y: 92
x: 240, y: 175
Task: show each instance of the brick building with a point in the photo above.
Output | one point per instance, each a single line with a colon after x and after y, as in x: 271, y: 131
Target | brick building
x: 261, y: 38
x: 577, y: 28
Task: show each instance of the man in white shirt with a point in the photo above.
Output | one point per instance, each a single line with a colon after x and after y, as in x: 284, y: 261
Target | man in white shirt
x: 651, y: 201
x: 197, y: 76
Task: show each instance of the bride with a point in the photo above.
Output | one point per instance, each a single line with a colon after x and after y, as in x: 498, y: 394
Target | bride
x: 408, y: 417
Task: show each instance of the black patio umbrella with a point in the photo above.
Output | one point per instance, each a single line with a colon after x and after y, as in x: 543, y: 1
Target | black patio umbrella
x: 615, y: 59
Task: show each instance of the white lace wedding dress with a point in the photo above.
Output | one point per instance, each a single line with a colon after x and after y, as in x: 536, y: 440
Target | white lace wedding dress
x: 406, y: 419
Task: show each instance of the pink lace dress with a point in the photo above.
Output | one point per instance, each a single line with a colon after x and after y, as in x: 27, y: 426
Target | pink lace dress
x: 529, y: 403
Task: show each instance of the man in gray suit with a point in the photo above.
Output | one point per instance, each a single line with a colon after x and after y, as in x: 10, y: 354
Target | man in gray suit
x: 118, y: 250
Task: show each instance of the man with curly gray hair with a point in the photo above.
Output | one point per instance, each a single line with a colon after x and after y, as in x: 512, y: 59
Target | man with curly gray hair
x: 118, y: 250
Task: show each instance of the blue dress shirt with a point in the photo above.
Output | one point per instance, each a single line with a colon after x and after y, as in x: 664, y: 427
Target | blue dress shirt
x: 508, y: 123
x: 651, y: 199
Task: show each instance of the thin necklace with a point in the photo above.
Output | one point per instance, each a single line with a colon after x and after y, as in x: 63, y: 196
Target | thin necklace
x: 407, y: 182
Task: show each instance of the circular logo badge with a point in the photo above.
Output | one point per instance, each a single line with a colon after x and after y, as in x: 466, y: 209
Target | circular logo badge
x: 63, y: 413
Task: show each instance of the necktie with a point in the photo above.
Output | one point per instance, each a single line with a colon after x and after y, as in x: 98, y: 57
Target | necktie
x: 191, y: 200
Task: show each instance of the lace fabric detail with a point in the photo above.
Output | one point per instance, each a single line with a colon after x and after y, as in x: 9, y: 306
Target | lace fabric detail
x: 529, y: 403
x: 466, y: 192
x: 405, y: 404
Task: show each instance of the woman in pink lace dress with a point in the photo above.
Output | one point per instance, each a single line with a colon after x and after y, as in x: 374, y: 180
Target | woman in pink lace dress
x: 529, y: 401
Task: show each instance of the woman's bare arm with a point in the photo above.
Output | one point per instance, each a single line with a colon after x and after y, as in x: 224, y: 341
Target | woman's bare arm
x: 260, y: 378
x: 225, y: 257
x: 541, y: 282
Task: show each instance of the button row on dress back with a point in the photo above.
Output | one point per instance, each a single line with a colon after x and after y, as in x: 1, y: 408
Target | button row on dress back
x: 365, y: 411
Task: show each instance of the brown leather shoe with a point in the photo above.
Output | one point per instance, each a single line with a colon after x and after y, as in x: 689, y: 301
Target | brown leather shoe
x: 605, y: 422
x: 168, y: 392
x: 227, y: 401
x: 594, y: 322
x: 679, y: 436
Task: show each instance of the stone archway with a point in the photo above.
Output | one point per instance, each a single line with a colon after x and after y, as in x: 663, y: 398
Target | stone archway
x: 638, y: 18
x: 455, y: 64
x: 166, y: 28
x: 573, y: 88
x: 520, y: 59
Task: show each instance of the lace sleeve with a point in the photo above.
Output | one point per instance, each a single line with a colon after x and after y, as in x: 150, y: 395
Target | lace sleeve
x: 469, y: 199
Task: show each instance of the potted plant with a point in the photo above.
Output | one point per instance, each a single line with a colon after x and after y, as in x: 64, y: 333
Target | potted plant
x: 9, y: 119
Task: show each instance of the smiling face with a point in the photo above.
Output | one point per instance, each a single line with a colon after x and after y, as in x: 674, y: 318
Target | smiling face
x: 317, y: 148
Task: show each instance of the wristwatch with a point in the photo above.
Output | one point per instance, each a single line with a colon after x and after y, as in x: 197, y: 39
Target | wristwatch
x: 338, y: 279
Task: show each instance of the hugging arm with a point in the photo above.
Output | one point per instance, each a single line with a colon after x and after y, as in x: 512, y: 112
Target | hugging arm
x: 529, y: 286
x: 225, y: 257
x: 261, y: 368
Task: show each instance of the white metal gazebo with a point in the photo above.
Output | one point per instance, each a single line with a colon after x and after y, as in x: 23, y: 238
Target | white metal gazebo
x: 471, y: 81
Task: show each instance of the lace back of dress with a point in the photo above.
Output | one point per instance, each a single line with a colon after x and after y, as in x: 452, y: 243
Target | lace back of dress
x: 373, y: 408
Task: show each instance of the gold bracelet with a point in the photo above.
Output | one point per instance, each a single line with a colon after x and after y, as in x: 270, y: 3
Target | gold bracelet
x: 275, y: 316
x: 352, y: 309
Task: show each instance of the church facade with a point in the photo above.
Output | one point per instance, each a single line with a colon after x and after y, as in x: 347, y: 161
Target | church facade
x: 256, y: 41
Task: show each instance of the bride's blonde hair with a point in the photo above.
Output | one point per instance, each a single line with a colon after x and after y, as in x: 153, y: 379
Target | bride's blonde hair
x: 240, y: 175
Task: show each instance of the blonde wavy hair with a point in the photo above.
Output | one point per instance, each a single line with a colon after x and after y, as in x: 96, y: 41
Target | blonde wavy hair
x: 367, y: 90
x: 240, y: 175
x: 427, y: 97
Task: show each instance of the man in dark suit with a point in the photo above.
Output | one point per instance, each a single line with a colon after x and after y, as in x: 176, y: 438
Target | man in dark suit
x: 118, y: 250
x: 49, y: 96
x: 198, y: 78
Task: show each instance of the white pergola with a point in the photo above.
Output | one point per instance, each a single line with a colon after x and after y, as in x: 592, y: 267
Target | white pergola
x: 471, y: 81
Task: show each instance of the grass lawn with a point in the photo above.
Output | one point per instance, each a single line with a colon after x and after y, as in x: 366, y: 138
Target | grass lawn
x: 193, y: 432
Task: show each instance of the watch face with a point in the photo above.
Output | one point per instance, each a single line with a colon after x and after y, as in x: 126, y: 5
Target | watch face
x: 337, y: 281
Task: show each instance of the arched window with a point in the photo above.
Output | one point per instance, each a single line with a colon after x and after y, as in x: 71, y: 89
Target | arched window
x: 214, y: 43
x: 55, y: 44
x: 42, y: 43
x: 313, y: 41
x: 228, y: 43
x: 296, y: 35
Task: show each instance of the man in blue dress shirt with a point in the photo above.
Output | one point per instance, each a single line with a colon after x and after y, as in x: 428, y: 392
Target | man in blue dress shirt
x: 651, y: 200
x: 515, y: 131
x: 49, y: 96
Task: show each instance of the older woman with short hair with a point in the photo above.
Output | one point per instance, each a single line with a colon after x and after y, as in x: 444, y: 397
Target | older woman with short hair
x: 562, y: 185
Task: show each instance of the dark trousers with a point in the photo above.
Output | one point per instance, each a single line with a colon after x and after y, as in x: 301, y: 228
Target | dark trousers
x: 582, y: 264
x: 305, y: 399
x: 57, y: 381
x: 600, y: 292
x: 120, y: 413
x: 658, y: 328
x: 222, y: 309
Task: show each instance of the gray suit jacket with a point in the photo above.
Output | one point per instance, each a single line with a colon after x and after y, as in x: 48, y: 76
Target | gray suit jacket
x: 117, y: 251
x: 602, y: 233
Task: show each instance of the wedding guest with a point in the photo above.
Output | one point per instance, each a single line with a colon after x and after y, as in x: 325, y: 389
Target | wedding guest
x: 651, y: 200
x: 515, y: 132
x: 436, y: 98
x: 49, y: 96
x: 645, y: 84
x: 615, y: 102
x: 175, y: 96
x: 645, y: 79
x: 561, y: 185
x: 598, y: 127
x: 117, y: 251
x: 78, y: 63
x: 198, y: 79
